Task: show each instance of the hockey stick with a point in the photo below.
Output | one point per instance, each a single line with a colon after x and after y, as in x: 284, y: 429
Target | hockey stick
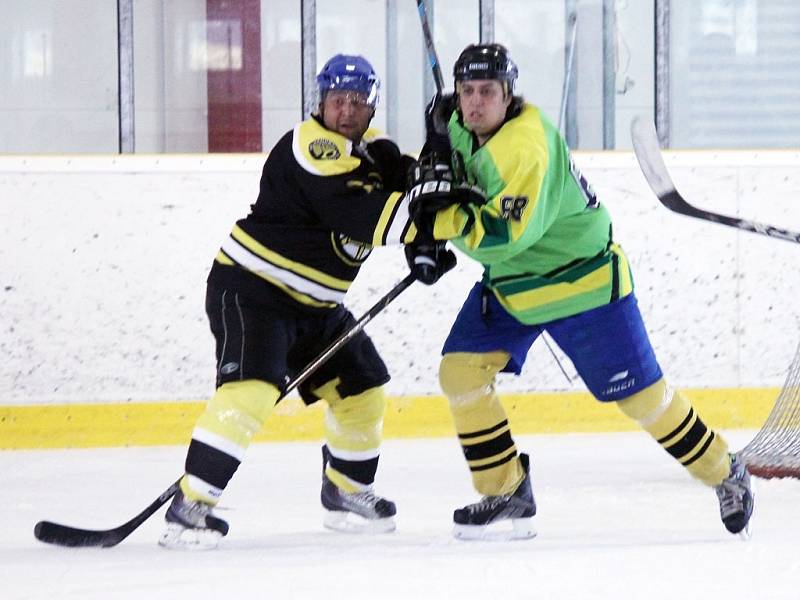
x: 436, y: 67
x: 64, y: 535
x: 353, y: 331
x: 648, y: 153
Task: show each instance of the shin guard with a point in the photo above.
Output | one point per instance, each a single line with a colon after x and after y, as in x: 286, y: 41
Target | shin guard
x: 222, y: 434
x: 353, y: 432
x: 669, y: 417
x: 480, y: 420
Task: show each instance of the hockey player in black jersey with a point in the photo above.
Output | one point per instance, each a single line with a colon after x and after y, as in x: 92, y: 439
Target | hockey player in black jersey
x: 331, y: 189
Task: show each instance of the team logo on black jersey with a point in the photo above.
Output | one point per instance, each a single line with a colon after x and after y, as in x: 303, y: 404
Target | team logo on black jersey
x: 323, y: 149
x: 351, y: 252
x: 373, y: 182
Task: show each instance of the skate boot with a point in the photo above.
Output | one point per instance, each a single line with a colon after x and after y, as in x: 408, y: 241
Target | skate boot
x: 357, y: 512
x: 736, y: 499
x: 191, y: 526
x: 489, y: 518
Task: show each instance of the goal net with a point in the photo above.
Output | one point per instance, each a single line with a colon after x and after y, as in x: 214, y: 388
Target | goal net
x: 775, y: 450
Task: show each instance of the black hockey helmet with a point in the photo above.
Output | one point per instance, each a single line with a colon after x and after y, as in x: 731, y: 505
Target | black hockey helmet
x: 486, y: 61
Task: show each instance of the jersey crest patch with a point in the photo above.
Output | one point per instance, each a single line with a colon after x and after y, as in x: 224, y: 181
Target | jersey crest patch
x: 351, y: 252
x: 323, y: 149
x: 373, y: 182
x: 512, y: 207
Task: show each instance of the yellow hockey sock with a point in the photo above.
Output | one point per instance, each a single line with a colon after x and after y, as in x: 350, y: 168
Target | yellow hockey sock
x: 669, y: 417
x: 235, y: 413
x: 480, y: 420
x: 353, y: 432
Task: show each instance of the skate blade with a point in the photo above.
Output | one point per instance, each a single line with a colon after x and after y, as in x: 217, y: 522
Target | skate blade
x: 347, y: 522
x: 521, y: 529
x: 746, y: 533
x: 177, y: 537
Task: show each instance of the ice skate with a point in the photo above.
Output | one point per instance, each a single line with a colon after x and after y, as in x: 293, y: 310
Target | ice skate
x: 191, y: 526
x: 358, y: 512
x: 501, y: 518
x: 736, y: 499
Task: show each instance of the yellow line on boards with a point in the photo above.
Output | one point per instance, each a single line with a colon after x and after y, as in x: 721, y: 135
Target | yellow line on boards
x: 170, y: 423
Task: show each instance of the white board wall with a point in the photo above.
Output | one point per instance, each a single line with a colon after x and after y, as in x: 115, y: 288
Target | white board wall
x: 103, y: 262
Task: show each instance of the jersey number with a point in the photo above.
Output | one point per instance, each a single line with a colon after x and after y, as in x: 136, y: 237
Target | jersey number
x: 512, y: 207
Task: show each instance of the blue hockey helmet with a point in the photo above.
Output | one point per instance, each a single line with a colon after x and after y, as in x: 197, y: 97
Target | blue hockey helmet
x: 349, y: 72
x: 486, y: 61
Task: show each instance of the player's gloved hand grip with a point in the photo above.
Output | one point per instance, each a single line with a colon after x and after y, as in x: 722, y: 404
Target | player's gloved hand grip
x: 429, y: 261
x: 429, y: 188
x: 437, y: 115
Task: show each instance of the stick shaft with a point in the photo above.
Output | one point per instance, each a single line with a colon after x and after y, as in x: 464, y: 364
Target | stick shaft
x: 64, y: 535
x: 433, y: 59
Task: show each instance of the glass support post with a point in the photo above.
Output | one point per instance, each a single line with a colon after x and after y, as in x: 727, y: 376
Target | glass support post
x: 125, y: 98
x: 662, y: 72
x: 308, y: 51
x: 609, y: 73
x: 486, y: 9
x: 390, y: 91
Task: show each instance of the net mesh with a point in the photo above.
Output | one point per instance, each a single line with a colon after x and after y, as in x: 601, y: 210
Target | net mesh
x: 775, y: 450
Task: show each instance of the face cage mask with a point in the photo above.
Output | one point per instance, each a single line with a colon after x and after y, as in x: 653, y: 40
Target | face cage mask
x: 366, y: 89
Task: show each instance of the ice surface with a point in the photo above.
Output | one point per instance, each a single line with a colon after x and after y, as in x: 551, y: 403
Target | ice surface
x: 617, y: 519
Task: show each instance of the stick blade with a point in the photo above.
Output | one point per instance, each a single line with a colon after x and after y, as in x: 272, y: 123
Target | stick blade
x: 648, y: 153
x: 64, y: 535
x: 73, y: 537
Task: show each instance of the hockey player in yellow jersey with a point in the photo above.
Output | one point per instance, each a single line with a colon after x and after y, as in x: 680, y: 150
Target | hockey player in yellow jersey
x: 331, y: 189
x: 550, y: 264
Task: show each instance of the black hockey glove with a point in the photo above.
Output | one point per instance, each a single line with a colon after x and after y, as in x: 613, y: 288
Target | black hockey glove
x: 428, y: 261
x: 431, y: 189
x: 390, y: 163
x: 430, y: 183
x: 437, y: 116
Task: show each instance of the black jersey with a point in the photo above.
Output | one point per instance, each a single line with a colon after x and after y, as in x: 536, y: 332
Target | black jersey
x: 324, y: 203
